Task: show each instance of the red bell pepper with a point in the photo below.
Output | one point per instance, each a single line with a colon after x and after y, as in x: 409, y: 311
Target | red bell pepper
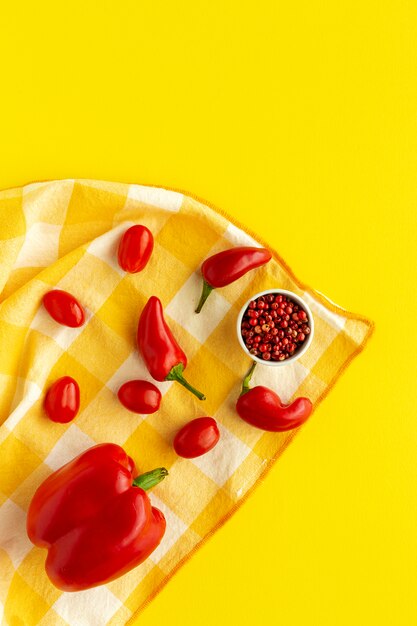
x: 96, y: 522
x: 163, y: 356
x: 262, y: 407
x: 225, y: 267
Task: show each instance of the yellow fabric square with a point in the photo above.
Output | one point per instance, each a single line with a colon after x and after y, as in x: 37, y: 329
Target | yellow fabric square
x: 206, y: 370
x: 272, y: 444
x: 26, y: 488
x: 51, y: 618
x: 94, y: 334
x: 228, y: 352
x: 36, y: 420
x: 56, y: 272
x: 46, y: 202
x: 244, y: 476
x: 7, y: 389
x: 212, y: 513
x: 20, y: 312
x: 333, y: 358
x: 122, y: 309
x: 189, y: 237
x: 195, y: 493
x: 32, y: 570
x: 39, y: 349
x: 23, y: 600
x: 12, y: 218
x: 163, y: 275
x: 183, y: 546
x: 148, y: 584
x: 12, y: 339
x: 98, y: 204
x: 91, y: 281
x: 145, y: 445
x: 76, y: 235
x: 18, y: 461
x: 105, y: 419
x: 18, y: 278
x: 9, y: 249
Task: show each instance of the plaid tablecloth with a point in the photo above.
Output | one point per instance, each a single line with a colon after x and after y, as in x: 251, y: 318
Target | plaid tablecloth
x: 64, y: 234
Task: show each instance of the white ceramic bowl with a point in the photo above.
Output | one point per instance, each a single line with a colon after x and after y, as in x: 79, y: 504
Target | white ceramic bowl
x: 307, y: 342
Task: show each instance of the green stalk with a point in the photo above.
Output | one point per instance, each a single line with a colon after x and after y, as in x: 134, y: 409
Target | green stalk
x: 207, y: 289
x: 246, y: 380
x: 150, y: 479
x: 176, y: 374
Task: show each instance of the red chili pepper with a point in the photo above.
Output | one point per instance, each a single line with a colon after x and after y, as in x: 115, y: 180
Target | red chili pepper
x: 262, y: 407
x: 163, y: 356
x: 135, y: 248
x: 96, y: 522
x: 62, y: 400
x: 64, y: 308
x: 140, y: 396
x: 227, y: 266
x: 196, y: 437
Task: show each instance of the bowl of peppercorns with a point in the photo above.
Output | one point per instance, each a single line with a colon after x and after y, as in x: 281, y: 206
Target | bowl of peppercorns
x: 275, y: 327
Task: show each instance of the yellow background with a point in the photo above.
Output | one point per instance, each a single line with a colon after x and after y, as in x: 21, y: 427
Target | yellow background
x: 300, y: 120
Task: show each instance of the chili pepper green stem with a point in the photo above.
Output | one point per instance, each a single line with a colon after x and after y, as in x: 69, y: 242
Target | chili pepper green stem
x: 207, y: 289
x: 246, y: 380
x: 150, y: 479
x: 176, y: 374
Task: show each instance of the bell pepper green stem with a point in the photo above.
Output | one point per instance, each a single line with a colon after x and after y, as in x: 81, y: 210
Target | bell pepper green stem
x: 176, y: 374
x: 150, y: 479
x: 207, y: 289
x: 246, y: 380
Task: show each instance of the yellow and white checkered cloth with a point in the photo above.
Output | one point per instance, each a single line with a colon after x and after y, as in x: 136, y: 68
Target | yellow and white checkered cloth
x: 65, y: 234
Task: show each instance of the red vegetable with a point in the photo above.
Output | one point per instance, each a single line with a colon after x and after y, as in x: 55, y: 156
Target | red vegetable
x: 225, y: 267
x: 64, y: 308
x: 135, y: 249
x: 140, y: 396
x: 163, y: 356
x: 96, y: 522
x: 196, y: 437
x: 62, y: 400
x: 262, y: 407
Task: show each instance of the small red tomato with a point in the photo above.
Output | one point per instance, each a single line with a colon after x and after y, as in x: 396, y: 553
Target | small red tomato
x: 62, y: 400
x: 140, y: 396
x: 196, y: 437
x: 64, y: 308
x: 135, y: 249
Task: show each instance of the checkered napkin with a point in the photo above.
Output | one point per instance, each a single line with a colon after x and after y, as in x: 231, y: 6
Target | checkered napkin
x: 65, y: 234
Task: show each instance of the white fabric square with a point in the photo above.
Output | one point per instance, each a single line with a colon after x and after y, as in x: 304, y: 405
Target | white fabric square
x: 175, y: 528
x: 62, y: 335
x: 134, y: 369
x: 220, y: 463
x: 40, y: 247
x: 238, y: 237
x: 91, y: 607
x: 72, y: 443
x: 284, y: 380
x: 333, y: 319
x: 27, y: 392
x: 162, y: 198
x: 182, y: 309
x: 13, y: 537
x: 105, y: 247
